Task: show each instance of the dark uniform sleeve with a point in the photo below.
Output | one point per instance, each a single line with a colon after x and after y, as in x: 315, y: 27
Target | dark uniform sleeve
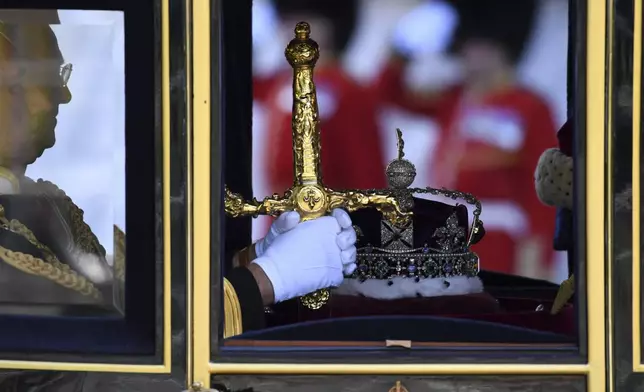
x: 250, y: 298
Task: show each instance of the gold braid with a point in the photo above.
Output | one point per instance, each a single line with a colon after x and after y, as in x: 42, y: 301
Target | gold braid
x: 232, y: 311
x: 51, y: 268
x: 83, y: 235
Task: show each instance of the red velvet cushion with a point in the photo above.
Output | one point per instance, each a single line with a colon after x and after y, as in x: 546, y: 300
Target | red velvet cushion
x: 354, y: 306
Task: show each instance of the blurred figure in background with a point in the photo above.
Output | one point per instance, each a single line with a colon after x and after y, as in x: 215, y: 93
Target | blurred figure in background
x: 350, y: 140
x: 493, y: 131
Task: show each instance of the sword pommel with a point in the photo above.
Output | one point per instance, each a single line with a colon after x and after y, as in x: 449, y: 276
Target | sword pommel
x: 302, y: 51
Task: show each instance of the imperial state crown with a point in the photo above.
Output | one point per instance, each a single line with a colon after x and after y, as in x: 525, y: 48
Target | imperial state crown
x: 435, y: 244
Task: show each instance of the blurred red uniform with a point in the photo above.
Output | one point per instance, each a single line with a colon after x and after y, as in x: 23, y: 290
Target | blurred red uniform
x: 352, y: 156
x: 490, y: 147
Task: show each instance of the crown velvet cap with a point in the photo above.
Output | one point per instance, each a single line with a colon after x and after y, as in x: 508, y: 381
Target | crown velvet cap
x: 428, y: 216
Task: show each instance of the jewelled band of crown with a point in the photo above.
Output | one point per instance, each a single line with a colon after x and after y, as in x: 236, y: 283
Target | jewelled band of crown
x: 381, y: 264
x: 308, y: 195
x: 398, y: 258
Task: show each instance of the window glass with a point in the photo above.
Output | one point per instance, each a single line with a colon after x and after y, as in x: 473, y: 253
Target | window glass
x: 62, y: 162
x: 626, y: 93
x: 444, y: 133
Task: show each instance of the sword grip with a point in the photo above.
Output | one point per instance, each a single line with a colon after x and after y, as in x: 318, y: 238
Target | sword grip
x: 302, y: 53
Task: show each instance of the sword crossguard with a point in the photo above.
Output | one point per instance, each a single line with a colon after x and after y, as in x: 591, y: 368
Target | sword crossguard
x: 236, y: 206
x: 388, y: 205
x: 308, y: 195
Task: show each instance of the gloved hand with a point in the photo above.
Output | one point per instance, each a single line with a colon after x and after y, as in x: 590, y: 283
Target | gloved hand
x: 314, y: 255
x: 346, y: 241
x: 284, y: 223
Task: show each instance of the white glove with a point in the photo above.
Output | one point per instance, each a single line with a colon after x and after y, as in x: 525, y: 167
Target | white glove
x: 346, y: 240
x: 314, y: 255
x: 287, y: 221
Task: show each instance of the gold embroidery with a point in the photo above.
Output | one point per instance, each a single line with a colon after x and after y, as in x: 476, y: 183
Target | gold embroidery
x: 83, y: 235
x: 50, y: 268
x: 232, y: 311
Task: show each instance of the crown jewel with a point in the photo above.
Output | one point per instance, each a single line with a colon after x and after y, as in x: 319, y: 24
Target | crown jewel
x: 445, y: 254
x: 400, y: 172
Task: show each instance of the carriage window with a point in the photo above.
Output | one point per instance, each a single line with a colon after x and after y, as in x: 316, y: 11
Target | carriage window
x: 62, y: 162
x: 410, y: 178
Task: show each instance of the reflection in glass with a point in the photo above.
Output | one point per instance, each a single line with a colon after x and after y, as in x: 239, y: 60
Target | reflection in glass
x: 61, y: 162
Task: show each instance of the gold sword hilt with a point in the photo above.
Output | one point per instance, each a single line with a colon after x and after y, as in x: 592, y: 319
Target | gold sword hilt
x: 308, y: 195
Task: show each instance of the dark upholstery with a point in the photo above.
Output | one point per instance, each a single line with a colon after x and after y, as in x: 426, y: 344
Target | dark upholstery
x: 414, y: 328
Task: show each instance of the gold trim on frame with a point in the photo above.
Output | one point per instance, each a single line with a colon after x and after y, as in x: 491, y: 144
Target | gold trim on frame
x: 400, y: 369
x: 608, y: 198
x: 638, y: 366
x: 596, y: 34
x: 595, y: 369
x: 165, y: 367
x: 167, y: 235
x: 199, y: 314
x: 188, y: 208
